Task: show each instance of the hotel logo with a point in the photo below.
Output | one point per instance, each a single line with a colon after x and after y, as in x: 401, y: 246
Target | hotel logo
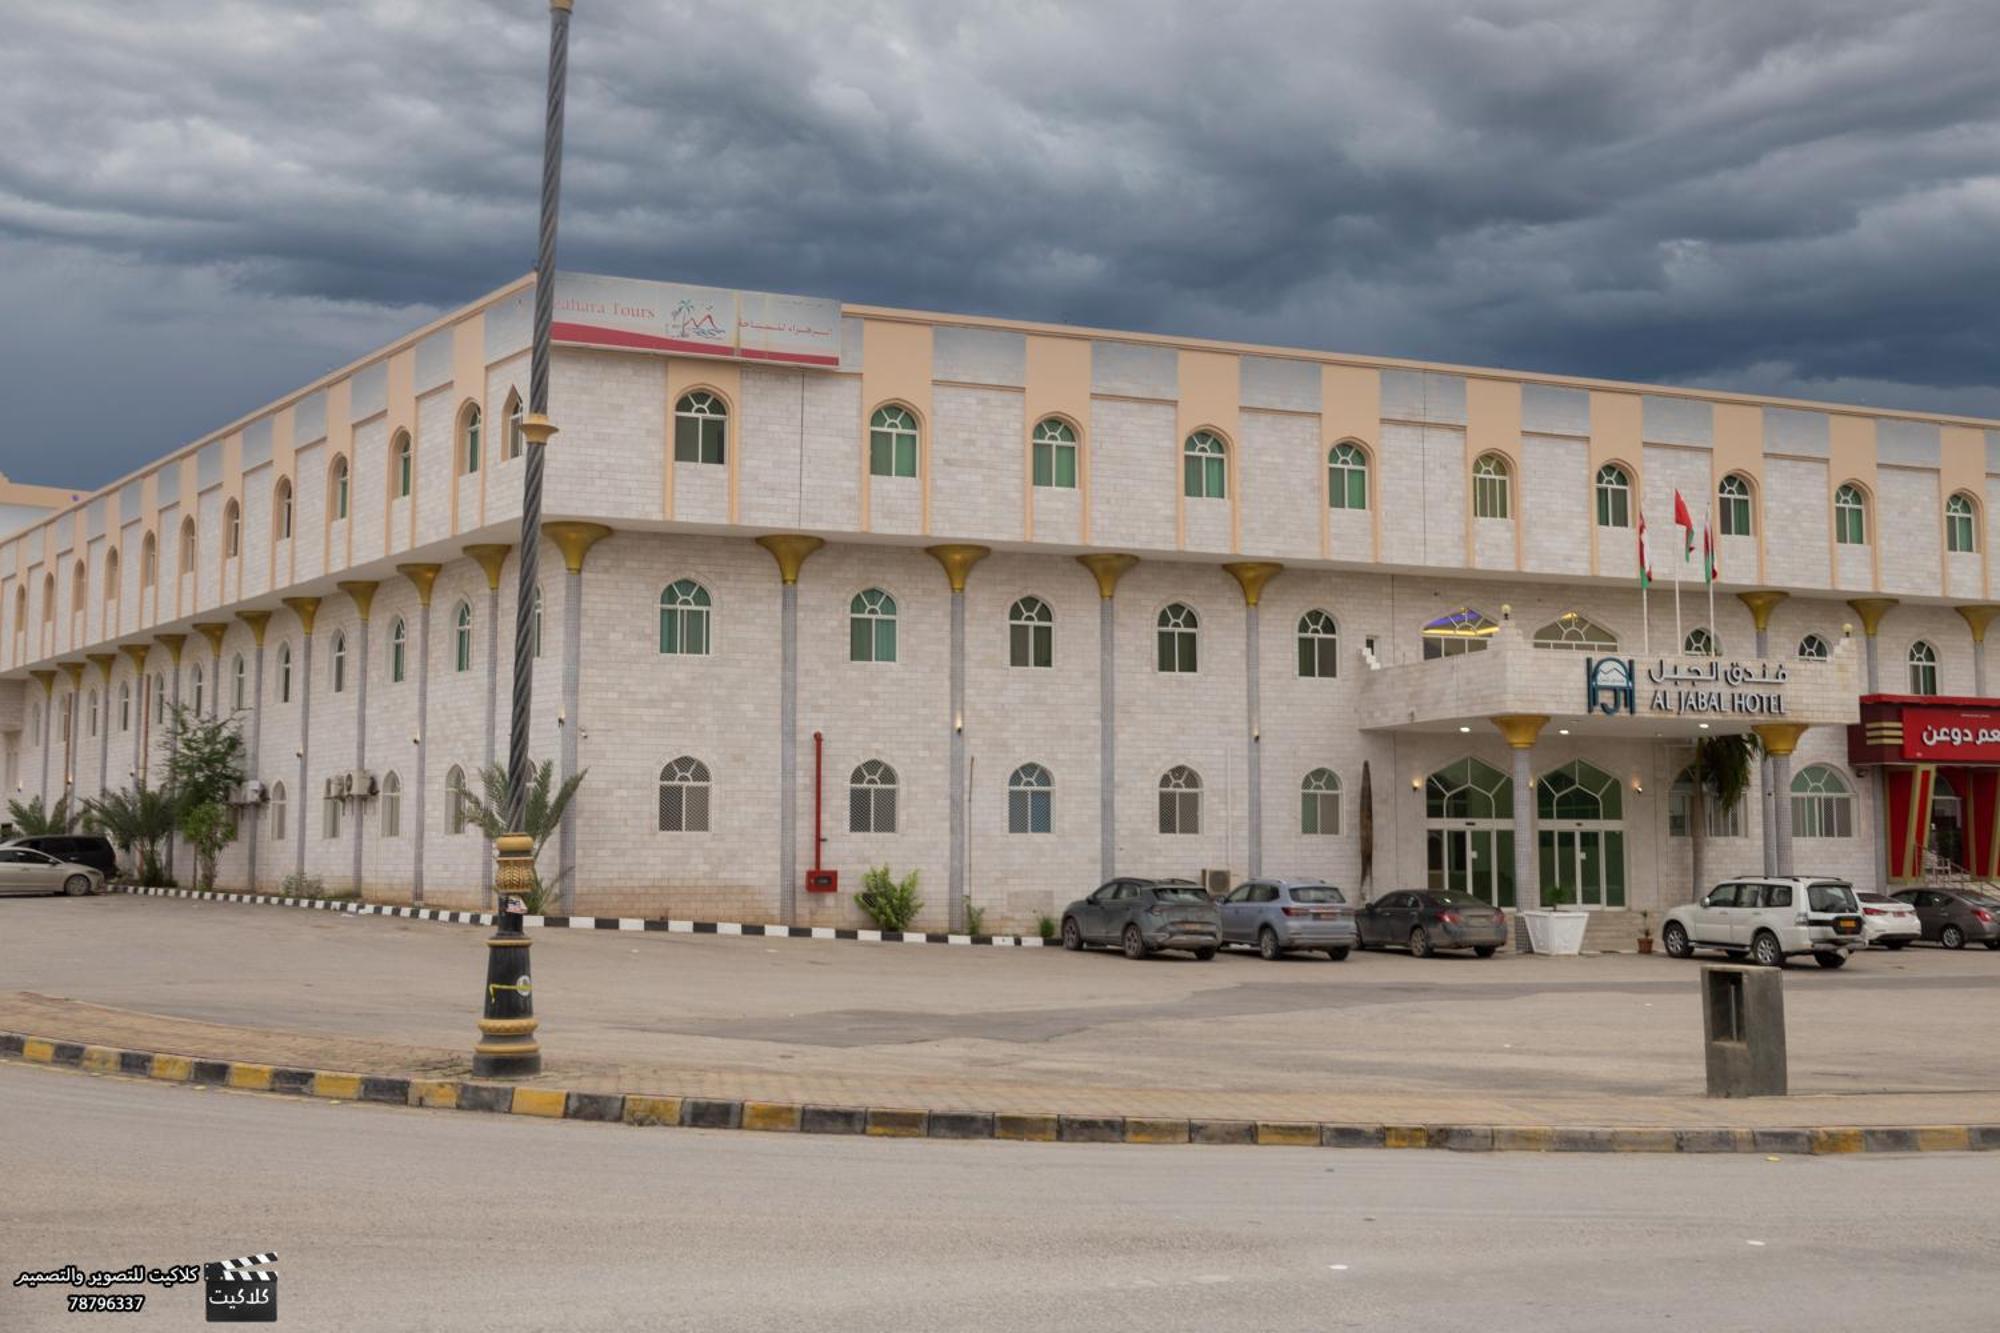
x: 1608, y: 685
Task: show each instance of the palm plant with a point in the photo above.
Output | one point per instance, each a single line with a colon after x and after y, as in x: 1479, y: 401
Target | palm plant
x: 1722, y: 772
x: 33, y: 818
x: 138, y: 818
x: 542, y: 817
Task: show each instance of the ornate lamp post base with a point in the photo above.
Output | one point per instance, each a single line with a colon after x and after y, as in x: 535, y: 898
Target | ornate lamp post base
x: 507, y: 1046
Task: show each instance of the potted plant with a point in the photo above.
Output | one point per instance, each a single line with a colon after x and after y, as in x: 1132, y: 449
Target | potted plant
x: 1645, y: 932
x: 1556, y: 928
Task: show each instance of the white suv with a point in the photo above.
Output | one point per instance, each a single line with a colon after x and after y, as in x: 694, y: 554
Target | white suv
x: 1770, y: 920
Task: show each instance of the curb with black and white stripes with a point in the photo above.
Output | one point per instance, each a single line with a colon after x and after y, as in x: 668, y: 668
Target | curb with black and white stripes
x: 672, y: 927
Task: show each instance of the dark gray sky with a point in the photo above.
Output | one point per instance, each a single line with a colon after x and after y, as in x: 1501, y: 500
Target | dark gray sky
x: 204, y: 203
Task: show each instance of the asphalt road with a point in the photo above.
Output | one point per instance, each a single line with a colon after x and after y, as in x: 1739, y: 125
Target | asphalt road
x: 400, y: 1219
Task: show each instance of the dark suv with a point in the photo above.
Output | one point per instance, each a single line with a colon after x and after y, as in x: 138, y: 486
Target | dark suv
x: 82, y: 849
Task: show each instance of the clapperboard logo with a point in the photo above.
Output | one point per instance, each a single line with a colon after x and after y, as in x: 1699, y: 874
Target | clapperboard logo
x: 242, y: 1291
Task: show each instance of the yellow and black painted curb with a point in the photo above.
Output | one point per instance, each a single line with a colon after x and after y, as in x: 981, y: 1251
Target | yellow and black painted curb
x: 903, y: 1122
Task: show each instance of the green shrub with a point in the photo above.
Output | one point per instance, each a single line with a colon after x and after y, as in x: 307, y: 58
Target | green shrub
x: 298, y: 885
x: 891, y: 905
x: 975, y: 920
x: 1045, y: 926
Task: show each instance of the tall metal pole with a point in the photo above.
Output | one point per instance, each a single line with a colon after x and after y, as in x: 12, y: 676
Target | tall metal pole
x: 507, y: 1045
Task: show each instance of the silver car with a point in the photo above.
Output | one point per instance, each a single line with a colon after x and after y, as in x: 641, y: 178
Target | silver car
x: 24, y: 870
x: 1282, y: 916
x: 1957, y: 913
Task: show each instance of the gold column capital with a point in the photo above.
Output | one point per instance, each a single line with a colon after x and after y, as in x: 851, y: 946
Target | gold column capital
x: 958, y: 558
x: 104, y: 662
x: 258, y: 621
x: 1520, y: 730
x: 563, y: 5
x: 536, y: 428
x: 1253, y: 575
x: 74, y: 670
x: 423, y: 577
x: 137, y: 653
x: 1977, y: 617
x: 790, y: 550
x: 305, y: 608
x: 47, y: 678
x: 1762, y: 603
x: 490, y: 555
x: 212, y: 630
x: 1107, y: 568
x: 1779, y: 739
x: 359, y: 591
x: 1871, y: 610
x: 574, y: 540
x: 173, y: 644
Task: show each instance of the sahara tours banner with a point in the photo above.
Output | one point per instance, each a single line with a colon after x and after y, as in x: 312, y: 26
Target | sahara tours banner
x: 635, y: 315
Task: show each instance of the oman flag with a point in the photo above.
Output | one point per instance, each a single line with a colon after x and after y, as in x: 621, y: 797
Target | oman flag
x: 1645, y: 562
x: 1708, y: 553
x: 1685, y: 521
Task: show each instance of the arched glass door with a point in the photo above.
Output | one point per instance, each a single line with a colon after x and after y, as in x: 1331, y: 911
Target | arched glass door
x: 1469, y: 831
x: 1580, y: 833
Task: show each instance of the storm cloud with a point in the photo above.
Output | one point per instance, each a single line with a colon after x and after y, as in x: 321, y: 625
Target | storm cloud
x: 206, y: 203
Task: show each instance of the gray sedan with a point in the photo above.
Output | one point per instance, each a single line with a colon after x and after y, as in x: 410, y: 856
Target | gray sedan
x: 1142, y: 916
x: 1282, y: 916
x: 1951, y: 916
x: 24, y: 870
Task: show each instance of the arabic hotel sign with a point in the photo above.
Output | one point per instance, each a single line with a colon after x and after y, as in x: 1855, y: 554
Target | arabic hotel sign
x: 1612, y: 685
x: 627, y: 313
x: 1971, y: 735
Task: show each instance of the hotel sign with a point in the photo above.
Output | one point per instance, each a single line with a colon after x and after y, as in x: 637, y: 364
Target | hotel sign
x: 626, y: 313
x: 1684, y: 688
x: 1952, y: 734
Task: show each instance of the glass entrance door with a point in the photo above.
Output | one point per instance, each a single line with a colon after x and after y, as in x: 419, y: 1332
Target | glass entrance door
x: 1583, y: 866
x: 1475, y: 857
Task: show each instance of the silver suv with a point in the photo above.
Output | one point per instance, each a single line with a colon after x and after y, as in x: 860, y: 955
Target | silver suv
x: 1770, y: 920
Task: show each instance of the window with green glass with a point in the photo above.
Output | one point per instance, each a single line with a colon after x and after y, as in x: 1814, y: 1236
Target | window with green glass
x: 1923, y: 668
x: 1319, y: 645
x: 1492, y: 486
x: 871, y: 627
x: 1960, y: 530
x: 1850, y: 517
x: 469, y: 431
x: 405, y: 469
x: 892, y: 442
x: 1205, y: 464
x: 701, y: 429
x: 1346, y: 478
x: 684, y: 609
x: 1055, y: 453
x: 1614, y: 497
x: 1031, y: 634
x: 461, y: 652
x: 1319, y: 804
x: 1733, y: 501
x: 1178, y: 628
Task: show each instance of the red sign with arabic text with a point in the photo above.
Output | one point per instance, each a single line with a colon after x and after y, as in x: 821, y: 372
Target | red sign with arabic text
x: 1946, y: 734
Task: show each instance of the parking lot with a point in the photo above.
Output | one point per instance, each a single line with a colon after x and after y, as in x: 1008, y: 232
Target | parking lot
x: 995, y: 1027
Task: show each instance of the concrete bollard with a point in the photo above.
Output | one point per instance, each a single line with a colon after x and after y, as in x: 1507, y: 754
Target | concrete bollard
x: 1743, y: 1026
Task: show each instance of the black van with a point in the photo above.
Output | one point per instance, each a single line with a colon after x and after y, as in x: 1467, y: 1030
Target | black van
x: 83, y: 849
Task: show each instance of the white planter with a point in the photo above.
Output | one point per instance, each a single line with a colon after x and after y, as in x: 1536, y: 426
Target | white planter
x: 1555, y: 932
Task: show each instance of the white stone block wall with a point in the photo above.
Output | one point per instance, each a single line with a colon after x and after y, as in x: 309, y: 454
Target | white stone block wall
x: 1797, y: 520
x: 1282, y: 478
x: 1907, y: 510
x: 1135, y: 474
x: 1559, y: 508
x: 977, y: 446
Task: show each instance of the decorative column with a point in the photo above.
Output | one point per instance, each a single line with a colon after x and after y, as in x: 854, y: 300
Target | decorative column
x: 1520, y: 731
x: 213, y: 630
x: 1252, y: 575
x: 48, y: 683
x: 142, y: 702
x: 1977, y: 617
x: 362, y: 593
x: 173, y: 644
x: 104, y: 662
x: 1871, y: 610
x: 74, y: 670
x: 1107, y: 568
x: 574, y: 540
x: 791, y: 552
x: 307, y: 610
x: 491, y: 556
x: 259, y: 622
x: 1761, y: 603
x: 1780, y: 740
x: 423, y: 578
x: 958, y: 561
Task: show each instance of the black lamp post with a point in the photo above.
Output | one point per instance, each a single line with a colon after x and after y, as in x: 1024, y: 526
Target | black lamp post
x: 507, y: 1046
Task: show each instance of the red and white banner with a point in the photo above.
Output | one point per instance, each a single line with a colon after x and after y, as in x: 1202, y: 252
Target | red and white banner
x: 595, y: 311
x: 1952, y: 734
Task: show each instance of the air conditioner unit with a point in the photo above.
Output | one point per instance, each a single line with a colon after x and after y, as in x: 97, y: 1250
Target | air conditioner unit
x: 333, y: 789
x: 1215, y: 882
x: 253, y: 793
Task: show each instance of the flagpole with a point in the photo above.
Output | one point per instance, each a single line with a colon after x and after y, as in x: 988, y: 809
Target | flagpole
x: 1708, y: 570
x: 1680, y: 643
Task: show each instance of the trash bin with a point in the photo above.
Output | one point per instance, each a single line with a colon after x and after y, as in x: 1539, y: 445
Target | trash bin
x: 1743, y: 1027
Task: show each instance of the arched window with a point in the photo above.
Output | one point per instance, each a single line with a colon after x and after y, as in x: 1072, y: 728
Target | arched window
x: 871, y: 627
x: 1961, y: 527
x: 1822, y: 803
x: 1850, y: 516
x: 399, y: 650
x: 284, y: 673
x: 701, y: 428
x: 1458, y: 632
x: 339, y: 661
x: 454, y: 800
x: 892, y: 442
x: 461, y: 643
x: 125, y: 706
x: 159, y: 714
x: 1319, y: 803
x: 684, y: 608
x: 1180, y: 800
x: 232, y: 530
x: 538, y: 620
x: 1492, y: 487
x: 93, y: 712
x: 402, y: 465
x: 239, y: 684
x: 111, y: 588
x: 1923, y: 668
x: 49, y: 599
x: 1700, y: 643
x: 1031, y: 634
x: 79, y: 588
x: 1031, y: 800
x: 1178, y: 629
x: 1346, y: 477
x: 195, y: 682
x: 871, y: 798
x: 1579, y: 790
x: 517, y: 443
x: 1572, y: 631
x: 1205, y: 467
x: 329, y: 826
x: 1614, y: 497
x: 337, y: 484
x: 1813, y: 648
x: 1469, y: 789
x: 149, y: 562
x: 468, y: 439
x: 1717, y: 822
x: 281, y: 510
x: 277, y: 812
x: 34, y: 723
x: 1732, y: 497
x: 1054, y: 453
x: 392, y: 805
x: 1319, y: 645
x: 684, y: 788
